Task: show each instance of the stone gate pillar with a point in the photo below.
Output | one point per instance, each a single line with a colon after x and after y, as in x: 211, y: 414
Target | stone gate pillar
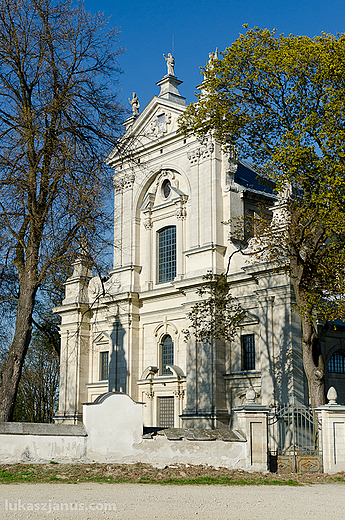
x: 251, y: 419
x: 332, y: 419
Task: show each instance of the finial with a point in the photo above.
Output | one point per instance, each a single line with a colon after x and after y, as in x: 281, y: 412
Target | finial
x: 250, y: 395
x: 134, y: 102
x: 332, y: 395
x: 170, y: 63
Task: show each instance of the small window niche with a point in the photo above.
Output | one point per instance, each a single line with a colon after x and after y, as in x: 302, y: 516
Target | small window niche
x: 160, y: 122
x: 167, y: 355
x: 336, y: 364
x: 248, y: 351
x: 166, y: 188
x: 104, y: 366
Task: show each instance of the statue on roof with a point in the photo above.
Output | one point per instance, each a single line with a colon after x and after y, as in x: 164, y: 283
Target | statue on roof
x: 170, y: 63
x: 213, y: 55
x: 134, y: 102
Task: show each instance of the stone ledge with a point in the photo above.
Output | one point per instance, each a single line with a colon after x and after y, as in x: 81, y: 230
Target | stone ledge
x: 18, y: 428
x: 197, y: 434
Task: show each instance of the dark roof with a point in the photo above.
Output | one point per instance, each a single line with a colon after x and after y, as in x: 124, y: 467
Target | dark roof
x: 247, y: 177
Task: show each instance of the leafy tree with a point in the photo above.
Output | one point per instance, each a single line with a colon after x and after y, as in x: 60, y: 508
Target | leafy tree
x: 218, y: 315
x: 280, y: 101
x: 58, y: 115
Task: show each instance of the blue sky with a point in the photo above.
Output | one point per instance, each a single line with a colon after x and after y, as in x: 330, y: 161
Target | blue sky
x: 148, y: 28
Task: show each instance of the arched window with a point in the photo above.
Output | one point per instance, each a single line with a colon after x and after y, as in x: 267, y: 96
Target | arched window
x: 336, y: 364
x: 167, y: 254
x: 167, y: 354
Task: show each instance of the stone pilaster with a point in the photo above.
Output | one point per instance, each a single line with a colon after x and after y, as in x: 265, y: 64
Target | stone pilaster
x: 75, y: 336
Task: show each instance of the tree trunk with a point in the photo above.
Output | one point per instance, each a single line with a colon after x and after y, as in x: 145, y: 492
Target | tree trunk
x: 313, y: 364
x: 21, y: 340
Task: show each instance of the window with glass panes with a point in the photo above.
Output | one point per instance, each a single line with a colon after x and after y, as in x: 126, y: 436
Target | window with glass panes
x: 104, y: 362
x: 336, y: 364
x: 167, y: 354
x: 167, y: 254
x: 248, y: 352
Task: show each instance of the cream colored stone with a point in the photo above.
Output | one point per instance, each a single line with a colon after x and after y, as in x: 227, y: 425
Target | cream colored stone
x: 130, y: 314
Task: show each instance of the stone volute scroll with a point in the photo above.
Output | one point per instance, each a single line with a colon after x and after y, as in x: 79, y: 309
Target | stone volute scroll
x: 170, y: 60
x: 134, y: 102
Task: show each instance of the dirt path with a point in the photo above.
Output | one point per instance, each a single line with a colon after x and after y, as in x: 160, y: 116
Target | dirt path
x: 171, y: 502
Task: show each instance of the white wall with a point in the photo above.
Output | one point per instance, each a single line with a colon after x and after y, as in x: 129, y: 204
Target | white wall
x: 112, y: 431
x: 27, y: 442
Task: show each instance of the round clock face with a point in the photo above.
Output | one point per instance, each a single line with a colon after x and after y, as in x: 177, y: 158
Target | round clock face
x: 166, y: 188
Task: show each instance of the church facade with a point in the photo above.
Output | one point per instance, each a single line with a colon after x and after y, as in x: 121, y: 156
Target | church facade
x: 125, y: 334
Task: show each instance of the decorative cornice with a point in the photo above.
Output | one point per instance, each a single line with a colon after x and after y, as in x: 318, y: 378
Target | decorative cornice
x: 124, y: 183
x: 202, y: 152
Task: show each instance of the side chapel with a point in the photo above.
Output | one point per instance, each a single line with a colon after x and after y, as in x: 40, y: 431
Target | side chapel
x: 126, y: 335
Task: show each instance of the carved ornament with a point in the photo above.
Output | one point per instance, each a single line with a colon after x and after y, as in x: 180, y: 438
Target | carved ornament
x: 159, y: 125
x: 202, y: 152
x: 181, y: 211
x: 124, y: 183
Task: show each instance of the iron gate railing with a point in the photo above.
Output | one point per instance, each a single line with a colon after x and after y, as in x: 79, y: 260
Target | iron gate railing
x: 294, y: 440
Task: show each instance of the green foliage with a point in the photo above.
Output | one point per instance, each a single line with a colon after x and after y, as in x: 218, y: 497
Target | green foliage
x: 143, y: 474
x: 280, y: 101
x: 218, y: 315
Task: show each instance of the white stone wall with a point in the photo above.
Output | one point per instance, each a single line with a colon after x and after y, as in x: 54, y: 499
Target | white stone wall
x: 113, y: 433
x: 27, y: 442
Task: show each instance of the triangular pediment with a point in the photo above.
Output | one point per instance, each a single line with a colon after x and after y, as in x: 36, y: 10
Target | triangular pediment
x: 102, y: 337
x: 250, y: 319
x: 148, y: 201
x: 157, y: 121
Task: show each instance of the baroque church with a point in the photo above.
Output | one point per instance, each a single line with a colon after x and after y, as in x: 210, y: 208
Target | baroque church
x: 171, y: 197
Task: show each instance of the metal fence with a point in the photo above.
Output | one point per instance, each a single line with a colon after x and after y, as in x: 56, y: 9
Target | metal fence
x: 294, y: 443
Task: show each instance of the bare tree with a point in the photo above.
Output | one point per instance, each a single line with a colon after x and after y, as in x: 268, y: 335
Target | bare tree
x: 37, y: 395
x: 58, y: 114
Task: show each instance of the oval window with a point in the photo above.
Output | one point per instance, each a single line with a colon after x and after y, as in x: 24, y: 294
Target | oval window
x: 166, y: 188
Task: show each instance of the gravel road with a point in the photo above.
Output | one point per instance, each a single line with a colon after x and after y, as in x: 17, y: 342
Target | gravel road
x: 146, y: 502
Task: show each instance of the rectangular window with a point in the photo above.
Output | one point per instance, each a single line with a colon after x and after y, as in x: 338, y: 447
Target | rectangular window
x: 166, y: 412
x: 167, y: 350
x: 104, y: 365
x: 248, y: 352
x: 167, y: 254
